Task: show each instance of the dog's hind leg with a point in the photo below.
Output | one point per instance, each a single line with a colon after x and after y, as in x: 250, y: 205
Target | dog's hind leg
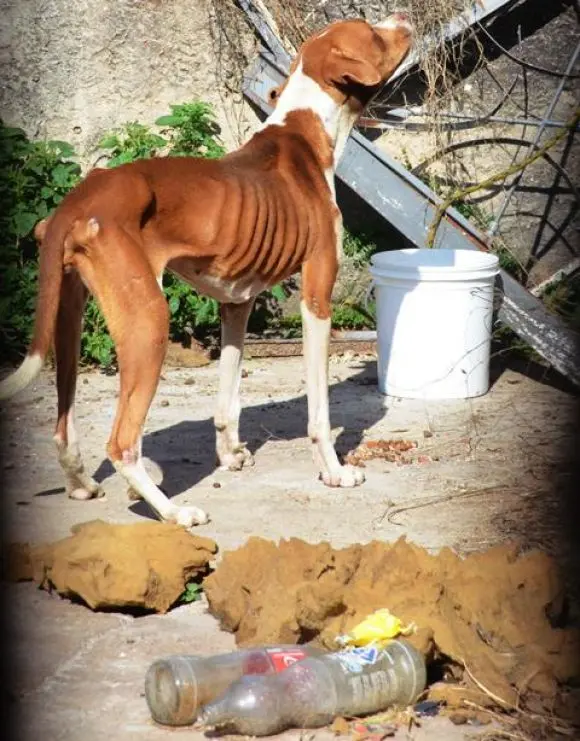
x: 231, y: 453
x: 67, y: 341
x: 137, y: 315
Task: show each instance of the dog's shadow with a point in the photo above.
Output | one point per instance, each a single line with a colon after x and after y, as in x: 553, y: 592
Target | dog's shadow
x: 186, y: 451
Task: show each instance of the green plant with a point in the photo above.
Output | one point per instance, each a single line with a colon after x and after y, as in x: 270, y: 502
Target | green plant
x: 563, y: 298
x: 188, y: 311
x: 131, y: 142
x: 191, y: 593
x: 360, y: 247
x: 96, y: 343
x: 353, y: 316
x: 191, y: 130
x: 34, y: 178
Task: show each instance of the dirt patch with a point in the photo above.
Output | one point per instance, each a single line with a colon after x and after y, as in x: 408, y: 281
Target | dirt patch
x: 143, y: 565
x: 178, y: 356
x: 492, y: 624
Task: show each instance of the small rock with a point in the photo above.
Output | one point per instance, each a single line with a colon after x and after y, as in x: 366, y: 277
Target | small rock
x: 340, y: 727
x: 216, y: 485
x: 164, y: 403
x: 458, y: 719
x: 427, y: 433
x: 189, y: 381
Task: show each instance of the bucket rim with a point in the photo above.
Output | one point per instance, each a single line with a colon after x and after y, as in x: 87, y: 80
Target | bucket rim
x: 420, y: 261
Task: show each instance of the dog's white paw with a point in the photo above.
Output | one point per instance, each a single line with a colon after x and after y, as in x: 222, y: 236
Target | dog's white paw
x: 85, y: 490
x: 345, y: 477
x: 236, y: 460
x: 187, y: 516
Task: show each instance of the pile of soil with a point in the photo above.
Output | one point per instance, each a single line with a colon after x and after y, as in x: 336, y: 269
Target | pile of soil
x: 493, y: 625
x: 144, y: 565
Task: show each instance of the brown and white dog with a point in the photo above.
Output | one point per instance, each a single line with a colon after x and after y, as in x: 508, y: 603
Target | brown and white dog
x: 229, y: 227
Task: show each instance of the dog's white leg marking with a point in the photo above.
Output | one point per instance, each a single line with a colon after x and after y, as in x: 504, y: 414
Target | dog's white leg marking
x: 132, y: 494
x: 134, y: 473
x: 79, y: 485
x: 231, y: 453
x: 316, y: 347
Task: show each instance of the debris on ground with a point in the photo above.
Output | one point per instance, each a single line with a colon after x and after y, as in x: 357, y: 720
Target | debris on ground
x: 482, y: 621
x: 144, y: 565
x: 393, y: 451
x: 178, y: 356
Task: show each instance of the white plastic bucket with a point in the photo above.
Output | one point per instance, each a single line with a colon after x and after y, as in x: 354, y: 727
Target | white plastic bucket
x: 434, y: 320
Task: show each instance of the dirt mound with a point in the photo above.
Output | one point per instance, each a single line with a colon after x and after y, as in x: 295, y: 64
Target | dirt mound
x: 143, y: 565
x: 493, y: 620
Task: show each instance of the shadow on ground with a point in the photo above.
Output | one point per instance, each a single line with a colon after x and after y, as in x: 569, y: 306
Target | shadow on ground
x: 186, y: 450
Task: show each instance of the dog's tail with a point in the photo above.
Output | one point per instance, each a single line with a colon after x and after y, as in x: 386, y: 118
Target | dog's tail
x: 51, y: 233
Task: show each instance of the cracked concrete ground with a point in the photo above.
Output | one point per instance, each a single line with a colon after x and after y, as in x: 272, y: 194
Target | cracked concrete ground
x: 501, y: 466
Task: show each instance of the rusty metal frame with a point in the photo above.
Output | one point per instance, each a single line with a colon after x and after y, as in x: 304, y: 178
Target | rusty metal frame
x: 409, y: 205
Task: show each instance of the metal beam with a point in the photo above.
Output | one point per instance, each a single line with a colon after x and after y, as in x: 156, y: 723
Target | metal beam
x: 409, y: 205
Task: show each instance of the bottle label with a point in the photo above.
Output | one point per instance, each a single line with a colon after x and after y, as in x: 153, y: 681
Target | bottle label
x: 356, y: 659
x: 282, y: 659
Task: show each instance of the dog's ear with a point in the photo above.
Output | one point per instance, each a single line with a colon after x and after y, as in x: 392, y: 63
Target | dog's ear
x: 343, y: 69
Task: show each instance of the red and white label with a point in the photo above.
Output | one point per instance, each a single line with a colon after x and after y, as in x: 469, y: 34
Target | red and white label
x: 283, y: 659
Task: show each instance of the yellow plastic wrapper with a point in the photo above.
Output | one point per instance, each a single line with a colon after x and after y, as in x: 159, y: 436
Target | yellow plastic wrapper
x: 379, y: 627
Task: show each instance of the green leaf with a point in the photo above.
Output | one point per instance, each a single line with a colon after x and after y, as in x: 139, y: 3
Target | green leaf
x: 60, y: 175
x: 108, y: 142
x: 24, y: 222
x: 278, y: 292
x: 192, y: 593
x: 158, y: 141
x: 64, y: 148
x: 42, y: 211
x: 12, y: 132
x: 174, y: 304
x: 167, y: 121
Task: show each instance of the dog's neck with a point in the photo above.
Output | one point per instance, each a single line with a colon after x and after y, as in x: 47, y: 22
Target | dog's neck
x: 303, y: 93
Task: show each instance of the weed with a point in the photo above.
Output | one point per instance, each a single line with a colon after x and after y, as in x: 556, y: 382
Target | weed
x: 34, y: 178
x: 563, y: 297
x: 191, y: 130
x: 191, y: 593
x: 359, y: 247
x: 133, y: 141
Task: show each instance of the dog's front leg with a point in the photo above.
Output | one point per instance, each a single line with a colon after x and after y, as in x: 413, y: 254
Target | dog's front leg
x: 231, y: 453
x: 316, y: 332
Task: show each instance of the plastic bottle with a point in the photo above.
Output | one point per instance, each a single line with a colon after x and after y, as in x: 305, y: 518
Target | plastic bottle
x: 313, y: 692
x: 177, y: 686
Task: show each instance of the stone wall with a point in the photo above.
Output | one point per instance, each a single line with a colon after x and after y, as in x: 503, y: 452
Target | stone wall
x: 72, y: 70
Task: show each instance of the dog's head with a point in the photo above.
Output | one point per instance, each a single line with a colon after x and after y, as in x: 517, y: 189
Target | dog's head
x: 350, y: 60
